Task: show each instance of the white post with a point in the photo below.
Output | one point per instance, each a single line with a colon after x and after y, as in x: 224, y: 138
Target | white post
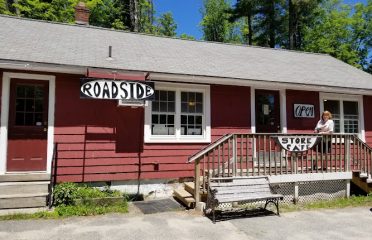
x: 347, y: 188
x: 295, y: 199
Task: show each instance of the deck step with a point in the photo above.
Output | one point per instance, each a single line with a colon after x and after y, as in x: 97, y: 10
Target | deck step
x: 185, y: 197
x: 190, y: 187
x: 24, y: 190
x: 24, y: 177
x: 23, y: 202
x: 9, y: 188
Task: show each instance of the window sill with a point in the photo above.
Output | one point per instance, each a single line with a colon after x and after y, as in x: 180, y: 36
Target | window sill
x: 164, y: 139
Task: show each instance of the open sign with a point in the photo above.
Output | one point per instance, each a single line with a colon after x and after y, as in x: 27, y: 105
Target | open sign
x: 115, y: 90
x: 304, y: 111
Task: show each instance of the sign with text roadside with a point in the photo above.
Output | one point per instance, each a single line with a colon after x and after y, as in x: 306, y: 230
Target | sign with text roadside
x: 295, y: 143
x: 116, y: 90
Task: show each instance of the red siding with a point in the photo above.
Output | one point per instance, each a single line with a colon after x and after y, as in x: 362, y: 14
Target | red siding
x: 367, y: 103
x: 230, y: 110
x: 301, y: 97
x: 99, y: 141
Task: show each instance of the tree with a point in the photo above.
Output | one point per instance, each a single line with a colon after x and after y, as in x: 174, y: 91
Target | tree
x: 62, y: 10
x: 362, y: 33
x: 3, y: 7
x: 214, y: 23
x: 36, y: 9
x: 106, y: 13
x: 299, y: 14
x: 166, y: 25
x: 187, y: 37
x: 245, y: 9
x: 269, y: 23
x: 341, y: 32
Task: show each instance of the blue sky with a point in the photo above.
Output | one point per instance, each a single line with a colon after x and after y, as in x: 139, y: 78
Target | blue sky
x: 188, y: 16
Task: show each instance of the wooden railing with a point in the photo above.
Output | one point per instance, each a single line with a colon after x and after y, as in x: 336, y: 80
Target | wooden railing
x: 53, y: 175
x: 259, y: 154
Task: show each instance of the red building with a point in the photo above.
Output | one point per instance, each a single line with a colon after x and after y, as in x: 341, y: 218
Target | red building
x: 203, y: 90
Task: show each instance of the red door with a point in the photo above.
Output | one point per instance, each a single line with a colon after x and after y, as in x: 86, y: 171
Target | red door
x: 28, y: 124
x: 267, y: 111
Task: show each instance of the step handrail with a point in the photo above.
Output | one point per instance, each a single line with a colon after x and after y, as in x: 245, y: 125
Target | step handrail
x: 210, y: 147
x: 53, y: 175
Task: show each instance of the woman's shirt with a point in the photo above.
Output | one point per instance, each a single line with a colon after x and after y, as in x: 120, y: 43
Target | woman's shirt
x: 327, y: 126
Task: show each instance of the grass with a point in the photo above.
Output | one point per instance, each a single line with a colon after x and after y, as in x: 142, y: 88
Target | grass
x: 71, y: 199
x: 69, y: 211
x: 353, y: 201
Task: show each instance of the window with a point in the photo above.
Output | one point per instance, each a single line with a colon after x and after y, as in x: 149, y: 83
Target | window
x: 191, y: 113
x: 163, y: 111
x: 29, y: 105
x: 345, y: 111
x: 179, y: 113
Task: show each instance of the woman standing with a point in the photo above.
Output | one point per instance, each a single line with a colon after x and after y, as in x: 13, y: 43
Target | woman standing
x: 326, y: 124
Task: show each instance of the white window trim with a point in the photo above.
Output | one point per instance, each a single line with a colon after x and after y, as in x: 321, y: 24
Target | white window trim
x: 7, y: 76
x: 178, y: 138
x: 346, y: 97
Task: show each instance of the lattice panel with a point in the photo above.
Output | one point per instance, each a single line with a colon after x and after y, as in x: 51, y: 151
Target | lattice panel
x: 308, y: 192
x: 322, y: 190
x: 287, y: 190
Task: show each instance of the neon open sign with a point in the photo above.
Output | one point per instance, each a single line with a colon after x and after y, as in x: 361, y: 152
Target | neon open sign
x: 115, y: 90
x: 297, y: 143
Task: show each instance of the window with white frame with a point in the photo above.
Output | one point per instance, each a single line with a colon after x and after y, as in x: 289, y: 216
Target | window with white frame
x: 345, y: 110
x: 179, y: 113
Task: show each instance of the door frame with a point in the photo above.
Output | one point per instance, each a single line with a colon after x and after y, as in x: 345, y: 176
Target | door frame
x: 7, y: 76
x: 282, y: 104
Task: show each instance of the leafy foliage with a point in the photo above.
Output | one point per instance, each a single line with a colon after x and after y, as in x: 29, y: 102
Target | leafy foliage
x: 214, y: 23
x: 341, y: 32
x: 166, y: 25
x: 186, y: 36
x: 68, y: 193
x: 65, y: 194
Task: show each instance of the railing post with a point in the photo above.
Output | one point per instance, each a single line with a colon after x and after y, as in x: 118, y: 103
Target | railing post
x: 347, y: 154
x: 197, y: 182
x: 234, y: 152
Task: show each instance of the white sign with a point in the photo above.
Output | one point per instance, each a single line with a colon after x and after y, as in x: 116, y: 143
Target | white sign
x: 304, y: 111
x: 297, y: 143
x: 109, y: 89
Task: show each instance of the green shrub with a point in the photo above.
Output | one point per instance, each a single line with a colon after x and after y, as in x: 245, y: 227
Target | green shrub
x: 65, y: 194
x: 68, y: 193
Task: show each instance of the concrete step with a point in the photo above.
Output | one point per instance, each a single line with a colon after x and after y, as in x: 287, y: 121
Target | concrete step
x: 25, y: 201
x: 24, y: 177
x: 185, y: 197
x: 9, y: 188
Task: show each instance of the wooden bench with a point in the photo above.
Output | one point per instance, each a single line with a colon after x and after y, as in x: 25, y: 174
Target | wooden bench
x: 240, y: 189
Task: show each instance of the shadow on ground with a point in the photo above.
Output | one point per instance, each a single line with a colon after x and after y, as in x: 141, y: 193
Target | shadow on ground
x: 241, y: 213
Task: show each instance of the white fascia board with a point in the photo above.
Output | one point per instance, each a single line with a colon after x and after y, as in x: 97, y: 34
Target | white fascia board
x: 258, y: 84
x: 311, y: 177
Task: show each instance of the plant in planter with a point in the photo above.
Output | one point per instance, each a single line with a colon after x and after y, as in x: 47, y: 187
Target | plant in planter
x: 72, y: 199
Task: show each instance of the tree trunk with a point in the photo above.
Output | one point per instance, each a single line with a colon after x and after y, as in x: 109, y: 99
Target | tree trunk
x: 151, y: 13
x: 250, y: 30
x: 290, y: 25
x: 133, y: 9
x: 272, y: 24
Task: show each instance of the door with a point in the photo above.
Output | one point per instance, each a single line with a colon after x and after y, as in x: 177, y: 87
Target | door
x: 28, y: 125
x: 267, y: 111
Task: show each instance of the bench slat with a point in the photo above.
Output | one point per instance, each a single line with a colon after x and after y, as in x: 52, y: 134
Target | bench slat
x: 252, y: 187
x: 243, y: 191
x: 239, y: 198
